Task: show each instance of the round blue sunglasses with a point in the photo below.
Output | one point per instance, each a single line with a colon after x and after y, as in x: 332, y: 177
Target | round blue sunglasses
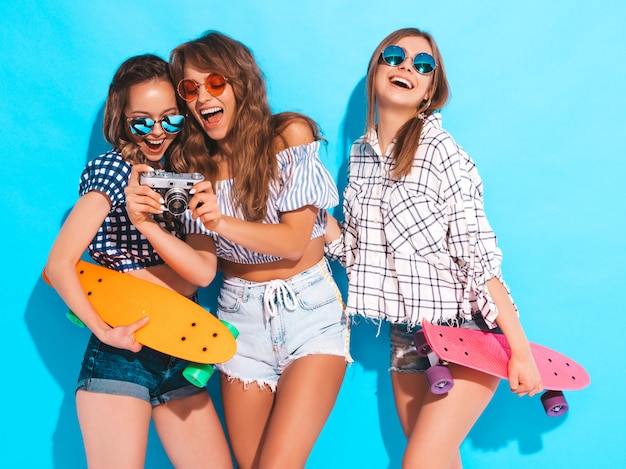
x: 395, y: 55
x: 142, y: 126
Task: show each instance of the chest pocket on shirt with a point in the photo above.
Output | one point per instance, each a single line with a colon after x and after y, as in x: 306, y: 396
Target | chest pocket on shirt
x: 353, y: 200
x: 414, y: 224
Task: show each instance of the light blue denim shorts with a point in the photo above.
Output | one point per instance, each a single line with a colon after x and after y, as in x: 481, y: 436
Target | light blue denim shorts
x: 404, y: 356
x: 282, y: 320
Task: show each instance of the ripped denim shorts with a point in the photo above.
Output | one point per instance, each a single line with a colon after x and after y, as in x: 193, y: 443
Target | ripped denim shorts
x: 404, y: 356
x: 148, y: 374
x: 282, y: 320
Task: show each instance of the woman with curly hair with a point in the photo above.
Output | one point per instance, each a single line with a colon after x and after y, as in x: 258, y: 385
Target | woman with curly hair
x: 268, y: 226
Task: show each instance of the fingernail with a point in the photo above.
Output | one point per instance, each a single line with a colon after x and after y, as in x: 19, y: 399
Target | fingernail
x: 192, y: 191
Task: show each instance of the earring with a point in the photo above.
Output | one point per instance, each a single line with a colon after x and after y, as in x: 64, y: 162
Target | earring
x: 421, y: 111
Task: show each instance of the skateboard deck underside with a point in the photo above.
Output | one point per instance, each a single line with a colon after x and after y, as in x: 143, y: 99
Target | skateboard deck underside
x: 490, y: 353
x: 177, y: 325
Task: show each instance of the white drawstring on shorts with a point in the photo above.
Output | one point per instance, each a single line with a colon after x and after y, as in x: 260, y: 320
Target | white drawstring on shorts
x: 278, y: 292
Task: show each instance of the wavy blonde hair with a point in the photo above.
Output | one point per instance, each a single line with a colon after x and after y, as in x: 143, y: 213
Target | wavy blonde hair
x: 252, y: 140
x: 408, y: 136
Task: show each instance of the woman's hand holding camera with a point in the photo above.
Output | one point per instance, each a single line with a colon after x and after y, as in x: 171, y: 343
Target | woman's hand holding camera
x: 204, y: 206
x: 141, y: 201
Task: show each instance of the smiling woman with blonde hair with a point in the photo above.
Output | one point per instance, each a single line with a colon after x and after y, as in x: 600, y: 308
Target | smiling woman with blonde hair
x: 417, y: 245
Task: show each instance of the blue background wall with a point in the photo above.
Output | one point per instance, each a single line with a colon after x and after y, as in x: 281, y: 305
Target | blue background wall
x: 537, y: 100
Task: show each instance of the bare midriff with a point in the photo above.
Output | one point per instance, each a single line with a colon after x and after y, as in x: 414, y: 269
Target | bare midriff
x: 281, y: 269
x: 166, y: 277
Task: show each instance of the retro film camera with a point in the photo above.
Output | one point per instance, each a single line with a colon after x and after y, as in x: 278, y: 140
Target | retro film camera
x: 174, y: 187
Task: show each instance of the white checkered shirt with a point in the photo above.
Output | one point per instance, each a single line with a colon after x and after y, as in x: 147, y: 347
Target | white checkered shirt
x: 420, y: 246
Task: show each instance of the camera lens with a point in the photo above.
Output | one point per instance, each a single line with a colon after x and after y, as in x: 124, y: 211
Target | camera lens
x: 176, y: 200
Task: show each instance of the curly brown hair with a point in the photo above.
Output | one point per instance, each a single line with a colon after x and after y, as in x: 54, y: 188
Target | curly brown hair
x: 256, y: 133
x: 408, y: 136
x: 133, y: 71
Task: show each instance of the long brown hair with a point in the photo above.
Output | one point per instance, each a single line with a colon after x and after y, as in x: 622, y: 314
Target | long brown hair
x: 408, y: 136
x: 252, y: 138
x: 133, y: 71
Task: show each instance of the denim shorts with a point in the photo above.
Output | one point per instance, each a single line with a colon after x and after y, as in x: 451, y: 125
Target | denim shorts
x: 149, y: 375
x: 282, y: 320
x: 404, y: 356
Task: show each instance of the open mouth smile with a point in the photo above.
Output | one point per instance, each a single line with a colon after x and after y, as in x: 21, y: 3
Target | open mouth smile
x: 212, y: 114
x: 401, y: 82
x: 154, y: 145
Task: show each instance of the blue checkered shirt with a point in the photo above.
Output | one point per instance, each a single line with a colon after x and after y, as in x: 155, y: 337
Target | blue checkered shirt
x: 118, y: 244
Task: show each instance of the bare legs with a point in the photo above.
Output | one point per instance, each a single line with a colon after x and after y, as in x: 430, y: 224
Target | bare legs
x: 115, y: 431
x: 278, y: 430
x: 108, y: 421
x: 192, y: 433
x: 436, y: 425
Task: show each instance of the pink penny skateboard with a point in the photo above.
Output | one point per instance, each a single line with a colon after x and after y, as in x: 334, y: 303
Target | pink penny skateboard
x: 489, y: 352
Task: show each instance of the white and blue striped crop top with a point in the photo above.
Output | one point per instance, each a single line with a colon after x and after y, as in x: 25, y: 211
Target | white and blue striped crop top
x: 302, y: 180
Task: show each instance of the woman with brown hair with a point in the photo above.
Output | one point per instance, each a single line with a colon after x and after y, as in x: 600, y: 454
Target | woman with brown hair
x: 417, y: 245
x: 272, y: 191
x: 123, y: 385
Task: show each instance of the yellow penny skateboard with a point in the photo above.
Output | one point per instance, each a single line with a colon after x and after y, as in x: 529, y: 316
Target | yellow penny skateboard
x: 177, y: 326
